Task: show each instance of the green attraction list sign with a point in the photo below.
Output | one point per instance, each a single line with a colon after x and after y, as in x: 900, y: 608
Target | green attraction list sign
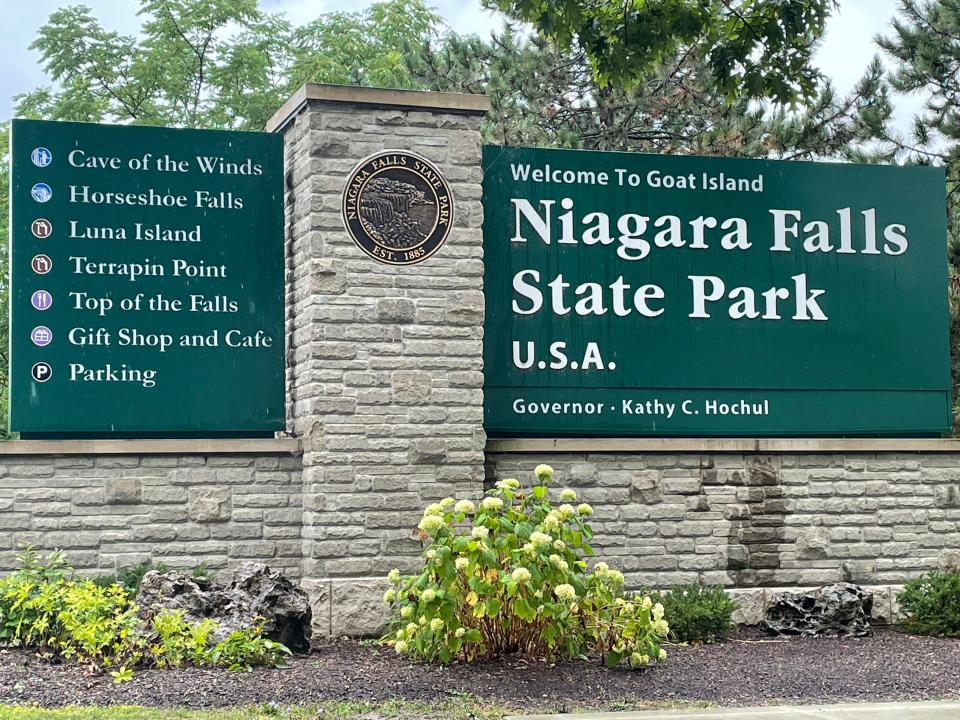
x: 634, y: 294
x: 147, y: 278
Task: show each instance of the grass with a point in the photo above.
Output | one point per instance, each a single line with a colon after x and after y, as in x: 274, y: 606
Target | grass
x: 457, y: 708
x: 463, y: 708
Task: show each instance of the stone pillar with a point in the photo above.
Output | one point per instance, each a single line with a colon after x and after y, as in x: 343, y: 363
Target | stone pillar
x: 385, y: 362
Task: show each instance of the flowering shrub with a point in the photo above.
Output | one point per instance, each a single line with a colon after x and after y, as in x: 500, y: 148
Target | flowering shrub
x: 509, y: 576
x: 42, y: 607
x: 932, y: 604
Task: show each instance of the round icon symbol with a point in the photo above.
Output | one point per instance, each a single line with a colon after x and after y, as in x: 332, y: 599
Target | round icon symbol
x: 41, y: 300
x: 41, y: 192
x: 398, y: 207
x: 41, y: 336
x: 41, y: 372
x: 41, y: 264
x: 41, y: 228
x: 41, y: 157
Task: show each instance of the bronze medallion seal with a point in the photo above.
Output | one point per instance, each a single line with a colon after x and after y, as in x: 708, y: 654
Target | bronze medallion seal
x: 397, y: 207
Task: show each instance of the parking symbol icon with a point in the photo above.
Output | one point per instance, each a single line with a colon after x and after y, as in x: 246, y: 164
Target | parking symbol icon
x: 41, y: 228
x: 41, y: 157
x: 41, y: 372
x: 41, y: 300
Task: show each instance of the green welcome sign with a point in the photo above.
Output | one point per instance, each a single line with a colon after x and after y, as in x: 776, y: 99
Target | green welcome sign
x: 146, y: 281
x: 633, y: 294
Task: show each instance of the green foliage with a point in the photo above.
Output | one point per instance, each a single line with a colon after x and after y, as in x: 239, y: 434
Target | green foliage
x: 544, y: 96
x: 925, y: 54
x: 932, y: 604
x: 242, y: 650
x: 215, y: 63
x: 510, y: 576
x: 754, y: 48
x: 42, y: 607
x: 131, y: 577
x: 698, y: 613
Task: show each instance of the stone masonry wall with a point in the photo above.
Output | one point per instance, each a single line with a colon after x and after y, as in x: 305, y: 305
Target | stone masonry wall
x: 115, y: 511
x: 764, y: 521
x: 385, y: 378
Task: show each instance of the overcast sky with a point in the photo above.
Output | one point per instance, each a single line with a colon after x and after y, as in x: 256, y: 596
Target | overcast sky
x: 844, y: 54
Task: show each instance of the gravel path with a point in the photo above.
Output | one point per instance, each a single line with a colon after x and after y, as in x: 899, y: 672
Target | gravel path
x: 746, y: 670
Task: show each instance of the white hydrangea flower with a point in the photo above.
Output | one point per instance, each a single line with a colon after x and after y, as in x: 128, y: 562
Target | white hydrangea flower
x: 529, y: 548
x: 431, y: 523
x: 636, y: 659
x: 434, y: 509
x: 543, y: 472
x: 647, y: 603
x: 559, y: 545
x: 491, y: 503
x: 460, y: 632
x: 568, y: 495
x: 446, y: 503
x: 657, y: 612
x: 436, y: 624
x: 412, y: 628
x: 461, y: 563
x: 663, y: 655
x: 584, y: 509
x: 422, y: 620
x: 406, y: 612
x: 480, y: 532
x: 389, y: 596
x: 565, y: 592
x: 431, y: 554
x: 601, y: 569
x: 661, y: 628
x: 616, y: 577
x: 540, y: 539
x: 521, y: 574
x: 394, y: 576
x: 464, y: 507
x: 565, y: 511
x: 429, y: 595
x: 559, y: 563
x: 508, y: 484
x: 551, y: 521
x: 400, y: 647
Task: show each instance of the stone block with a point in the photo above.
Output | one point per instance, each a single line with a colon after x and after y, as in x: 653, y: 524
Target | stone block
x: 210, y: 504
x: 123, y: 491
x: 357, y: 608
x: 395, y: 310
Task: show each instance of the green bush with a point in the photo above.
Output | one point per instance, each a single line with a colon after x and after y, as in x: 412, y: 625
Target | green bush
x: 510, y: 576
x: 698, y: 613
x: 43, y: 607
x: 932, y: 604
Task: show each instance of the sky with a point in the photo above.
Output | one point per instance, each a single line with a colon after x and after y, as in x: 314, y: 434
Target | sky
x: 845, y: 51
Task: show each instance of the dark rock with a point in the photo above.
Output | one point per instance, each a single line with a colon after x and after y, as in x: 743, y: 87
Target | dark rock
x: 839, y: 610
x: 255, y: 595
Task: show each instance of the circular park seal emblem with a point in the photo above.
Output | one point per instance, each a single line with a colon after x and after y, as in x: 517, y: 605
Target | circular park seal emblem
x: 398, y: 207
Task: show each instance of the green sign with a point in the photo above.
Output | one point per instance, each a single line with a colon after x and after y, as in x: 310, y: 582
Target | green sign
x: 633, y: 294
x: 147, y: 273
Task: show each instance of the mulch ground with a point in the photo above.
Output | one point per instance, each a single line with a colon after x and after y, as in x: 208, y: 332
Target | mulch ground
x: 746, y: 670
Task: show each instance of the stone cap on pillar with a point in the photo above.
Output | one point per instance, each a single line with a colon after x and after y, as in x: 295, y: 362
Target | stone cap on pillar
x: 441, y: 102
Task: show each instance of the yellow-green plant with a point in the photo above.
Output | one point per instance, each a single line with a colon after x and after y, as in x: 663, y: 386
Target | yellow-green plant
x: 509, y: 575
x: 98, y: 624
x: 177, y: 641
